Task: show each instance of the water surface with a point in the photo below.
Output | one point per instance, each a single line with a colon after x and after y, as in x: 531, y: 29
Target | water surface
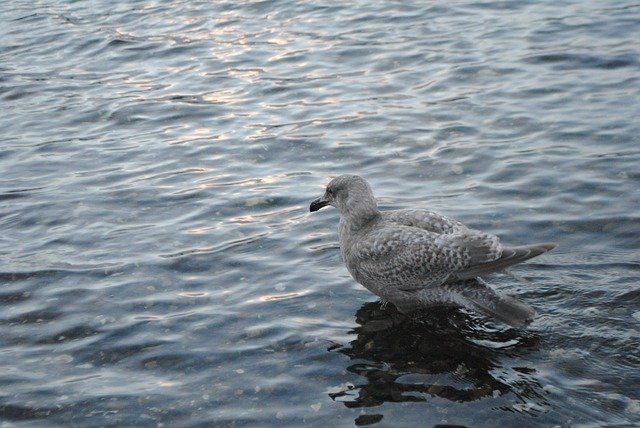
x: 158, y: 264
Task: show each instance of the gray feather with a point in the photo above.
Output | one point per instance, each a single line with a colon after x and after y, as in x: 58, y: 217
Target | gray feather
x: 418, y: 258
x: 481, y: 298
x: 510, y: 256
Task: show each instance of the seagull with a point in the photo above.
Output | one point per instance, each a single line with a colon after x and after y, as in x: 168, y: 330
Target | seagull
x: 417, y: 259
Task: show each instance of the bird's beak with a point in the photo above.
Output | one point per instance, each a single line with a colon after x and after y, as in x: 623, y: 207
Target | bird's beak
x: 317, y: 204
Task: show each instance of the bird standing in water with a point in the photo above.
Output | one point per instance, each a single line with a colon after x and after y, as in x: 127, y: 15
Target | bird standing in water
x: 417, y: 258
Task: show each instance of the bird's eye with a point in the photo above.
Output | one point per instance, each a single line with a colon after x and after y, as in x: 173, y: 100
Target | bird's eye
x: 330, y: 192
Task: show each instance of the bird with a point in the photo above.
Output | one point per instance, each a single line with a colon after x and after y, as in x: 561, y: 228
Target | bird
x: 416, y: 259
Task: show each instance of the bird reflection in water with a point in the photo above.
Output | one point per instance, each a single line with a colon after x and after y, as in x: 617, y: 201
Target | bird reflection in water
x: 442, y: 353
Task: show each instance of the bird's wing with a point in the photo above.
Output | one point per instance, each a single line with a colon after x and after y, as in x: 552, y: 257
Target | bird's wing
x: 509, y: 256
x: 423, y: 219
x: 410, y: 258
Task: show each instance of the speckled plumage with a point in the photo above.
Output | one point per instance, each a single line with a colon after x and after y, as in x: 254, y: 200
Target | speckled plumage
x: 417, y: 258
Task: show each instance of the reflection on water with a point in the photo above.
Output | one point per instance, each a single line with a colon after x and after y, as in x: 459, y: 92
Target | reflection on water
x: 441, y: 353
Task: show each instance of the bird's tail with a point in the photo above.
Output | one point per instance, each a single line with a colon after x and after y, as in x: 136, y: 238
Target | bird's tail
x: 472, y: 294
x: 475, y: 295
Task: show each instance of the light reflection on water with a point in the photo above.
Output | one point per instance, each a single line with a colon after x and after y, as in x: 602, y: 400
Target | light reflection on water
x: 158, y: 264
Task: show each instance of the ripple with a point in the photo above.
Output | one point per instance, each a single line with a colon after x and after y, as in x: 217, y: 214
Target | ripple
x: 567, y: 61
x: 218, y: 248
x: 159, y: 265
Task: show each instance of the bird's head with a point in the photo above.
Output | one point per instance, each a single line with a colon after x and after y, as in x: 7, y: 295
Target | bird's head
x: 351, y: 195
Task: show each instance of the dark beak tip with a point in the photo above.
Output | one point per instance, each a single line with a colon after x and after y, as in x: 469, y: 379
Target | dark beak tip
x: 316, y: 205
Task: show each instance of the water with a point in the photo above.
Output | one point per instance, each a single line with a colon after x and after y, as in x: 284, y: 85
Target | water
x: 159, y: 266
